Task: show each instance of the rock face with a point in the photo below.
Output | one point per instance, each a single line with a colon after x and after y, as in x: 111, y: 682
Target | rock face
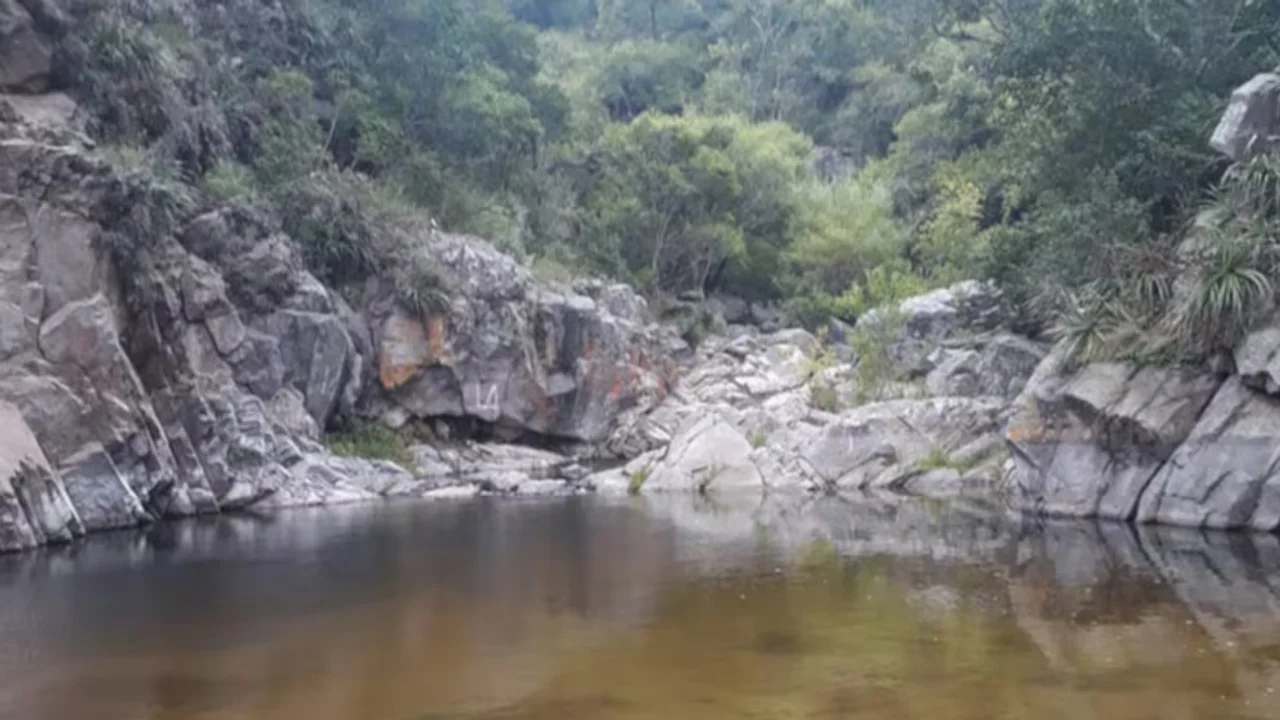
x: 520, y: 356
x: 34, y: 507
x: 1153, y: 445
x: 155, y: 369
x: 1088, y: 443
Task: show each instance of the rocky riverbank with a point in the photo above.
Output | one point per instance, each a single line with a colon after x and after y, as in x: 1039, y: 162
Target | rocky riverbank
x: 164, y: 358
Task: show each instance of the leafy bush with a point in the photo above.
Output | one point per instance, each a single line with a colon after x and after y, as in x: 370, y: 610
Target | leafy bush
x: 229, y: 180
x: 374, y: 441
x: 872, y: 341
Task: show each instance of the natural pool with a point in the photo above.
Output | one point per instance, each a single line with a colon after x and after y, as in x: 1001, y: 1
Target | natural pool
x: 660, y: 608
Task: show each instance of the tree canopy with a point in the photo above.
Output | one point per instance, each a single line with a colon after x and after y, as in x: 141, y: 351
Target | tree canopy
x: 1043, y: 144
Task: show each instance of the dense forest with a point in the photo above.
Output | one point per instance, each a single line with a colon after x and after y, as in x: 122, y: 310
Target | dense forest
x: 831, y: 155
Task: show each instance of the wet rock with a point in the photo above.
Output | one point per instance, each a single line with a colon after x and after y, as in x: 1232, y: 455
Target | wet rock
x: 100, y: 496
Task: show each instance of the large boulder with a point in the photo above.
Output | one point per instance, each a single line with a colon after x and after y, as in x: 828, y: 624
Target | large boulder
x: 706, y: 455
x: 516, y: 355
x: 1226, y: 474
x: 1251, y: 124
x: 1087, y: 442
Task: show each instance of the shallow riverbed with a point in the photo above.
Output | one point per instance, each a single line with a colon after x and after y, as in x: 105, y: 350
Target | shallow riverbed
x: 668, y: 608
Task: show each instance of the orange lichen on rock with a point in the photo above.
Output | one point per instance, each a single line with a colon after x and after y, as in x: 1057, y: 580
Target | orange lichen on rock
x: 437, y: 338
x: 404, y: 351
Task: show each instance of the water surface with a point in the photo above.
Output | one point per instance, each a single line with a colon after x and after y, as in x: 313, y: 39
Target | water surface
x: 660, y: 608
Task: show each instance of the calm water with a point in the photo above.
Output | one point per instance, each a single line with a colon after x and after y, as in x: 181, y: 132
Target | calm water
x: 664, y: 609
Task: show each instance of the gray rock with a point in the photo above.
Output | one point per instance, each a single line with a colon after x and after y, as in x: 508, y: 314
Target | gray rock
x: 259, y: 365
x: 919, y: 325
x: 1257, y: 360
x: 733, y: 310
x: 706, y: 455
x: 992, y: 367
x: 878, y: 445
x: 317, y: 354
x: 1226, y: 474
x: 26, y: 56
x: 1251, y: 123
x: 1088, y: 443
x: 34, y: 508
x: 100, y: 496
x: 227, y: 331
x: 510, y: 353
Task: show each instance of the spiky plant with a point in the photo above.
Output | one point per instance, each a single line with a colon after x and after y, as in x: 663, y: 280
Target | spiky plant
x: 1146, y: 286
x: 1255, y: 184
x: 422, y: 285
x: 1085, y: 326
x: 1230, y: 291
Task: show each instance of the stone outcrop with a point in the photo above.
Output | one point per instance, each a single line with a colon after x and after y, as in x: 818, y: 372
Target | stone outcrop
x: 518, y: 355
x: 158, y: 369
x: 1166, y: 446
x: 156, y: 372
x: 1087, y: 443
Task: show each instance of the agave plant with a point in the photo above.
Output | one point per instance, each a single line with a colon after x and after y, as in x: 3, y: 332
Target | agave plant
x: 1255, y: 183
x: 1231, y: 289
x: 422, y: 285
x: 1147, y: 284
x: 1086, y: 325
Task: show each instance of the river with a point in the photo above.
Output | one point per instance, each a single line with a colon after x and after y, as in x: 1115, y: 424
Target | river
x: 665, y: 608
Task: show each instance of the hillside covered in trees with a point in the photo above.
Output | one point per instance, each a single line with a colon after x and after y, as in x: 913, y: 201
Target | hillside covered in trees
x: 831, y: 155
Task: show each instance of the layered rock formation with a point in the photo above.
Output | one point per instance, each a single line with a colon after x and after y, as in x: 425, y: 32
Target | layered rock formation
x: 157, y: 364
x: 521, y: 356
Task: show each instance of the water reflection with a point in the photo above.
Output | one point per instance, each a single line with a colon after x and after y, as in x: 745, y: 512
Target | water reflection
x: 743, y: 607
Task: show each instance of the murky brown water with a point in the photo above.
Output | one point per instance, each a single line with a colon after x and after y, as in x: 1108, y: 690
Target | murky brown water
x: 667, y: 609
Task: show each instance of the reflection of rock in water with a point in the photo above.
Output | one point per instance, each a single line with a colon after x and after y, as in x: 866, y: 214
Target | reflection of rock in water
x: 1108, y: 601
x: 594, y: 607
x: 1102, y: 602
x: 425, y: 604
x: 857, y: 525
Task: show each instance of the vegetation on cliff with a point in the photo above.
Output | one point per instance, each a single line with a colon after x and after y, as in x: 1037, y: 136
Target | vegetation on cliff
x: 834, y: 154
